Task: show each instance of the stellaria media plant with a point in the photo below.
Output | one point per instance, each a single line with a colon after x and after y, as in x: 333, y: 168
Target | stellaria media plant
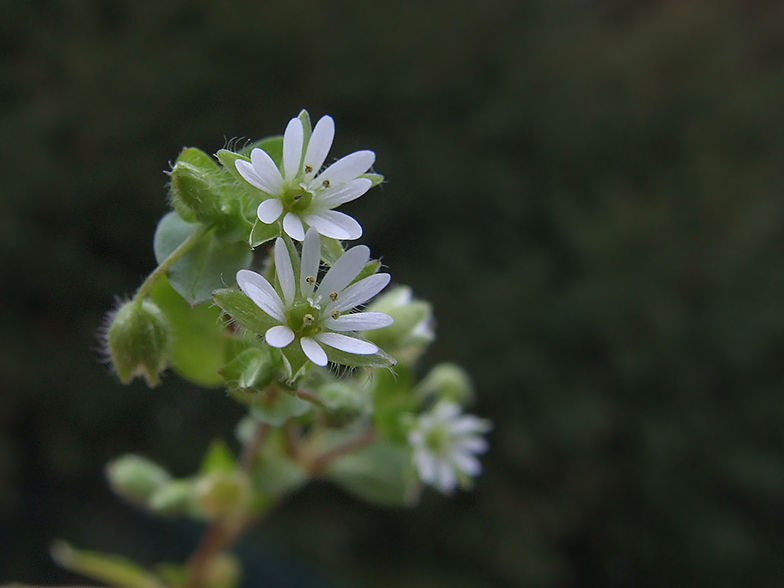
x: 308, y: 336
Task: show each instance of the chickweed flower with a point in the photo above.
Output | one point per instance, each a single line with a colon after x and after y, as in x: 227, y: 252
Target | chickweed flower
x: 445, y: 444
x: 315, y: 315
x: 299, y: 191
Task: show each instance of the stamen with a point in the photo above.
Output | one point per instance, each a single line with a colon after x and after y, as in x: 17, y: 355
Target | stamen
x: 308, y: 319
x: 333, y: 296
x: 308, y: 168
x: 326, y: 183
x: 336, y: 314
x: 311, y: 280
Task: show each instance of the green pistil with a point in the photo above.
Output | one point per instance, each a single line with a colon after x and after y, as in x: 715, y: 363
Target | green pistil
x: 304, y: 319
x: 295, y: 199
x: 436, y: 439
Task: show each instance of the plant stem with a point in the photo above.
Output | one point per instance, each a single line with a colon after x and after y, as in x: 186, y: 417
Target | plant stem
x: 320, y: 462
x: 175, y: 255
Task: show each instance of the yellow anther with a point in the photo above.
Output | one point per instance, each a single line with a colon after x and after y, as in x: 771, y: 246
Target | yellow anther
x: 333, y: 296
x: 308, y: 168
x: 311, y: 280
x: 326, y: 183
x: 308, y: 319
x: 336, y: 314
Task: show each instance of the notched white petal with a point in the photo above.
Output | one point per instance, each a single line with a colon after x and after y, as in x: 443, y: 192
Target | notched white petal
x: 359, y: 293
x: 292, y: 148
x: 284, y: 270
x: 311, y: 256
x: 361, y: 321
x: 293, y: 226
x: 319, y: 146
x: 279, y: 336
x: 346, y: 168
x: 335, y: 225
x: 269, y: 210
x: 266, y: 170
x: 313, y: 351
x: 261, y: 292
x: 347, y: 344
x: 342, y: 193
x: 344, y: 270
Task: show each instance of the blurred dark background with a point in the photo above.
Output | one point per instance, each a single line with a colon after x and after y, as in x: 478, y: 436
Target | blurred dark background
x: 591, y: 193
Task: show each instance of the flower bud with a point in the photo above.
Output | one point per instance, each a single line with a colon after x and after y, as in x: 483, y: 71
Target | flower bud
x: 448, y: 382
x: 252, y: 370
x: 221, y: 494
x: 174, y: 498
x: 138, y: 340
x: 344, y: 402
x: 136, y: 478
x: 194, y: 190
x: 406, y: 338
x: 222, y: 571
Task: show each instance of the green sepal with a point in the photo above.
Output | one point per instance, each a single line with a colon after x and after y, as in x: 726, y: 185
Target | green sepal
x: 251, y: 370
x: 195, y: 186
x: 376, y: 360
x: 272, y: 145
x: 136, y: 478
x: 243, y: 310
x: 379, y: 474
x: 138, y: 340
x: 371, y: 268
x: 218, y: 458
x: 331, y: 250
x: 375, y: 178
x: 212, y: 262
x: 103, y: 567
x: 263, y: 232
x: 307, y: 126
x: 198, y: 339
x: 174, y: 499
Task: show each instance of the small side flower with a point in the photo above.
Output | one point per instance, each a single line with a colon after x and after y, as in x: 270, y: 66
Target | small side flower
x: 445, y: 444
x: 299, y: 192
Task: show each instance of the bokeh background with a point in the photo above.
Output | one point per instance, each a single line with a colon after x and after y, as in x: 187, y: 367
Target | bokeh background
x: 591, y: 193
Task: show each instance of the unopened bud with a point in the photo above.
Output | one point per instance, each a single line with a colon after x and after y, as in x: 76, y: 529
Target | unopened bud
x: 406, y: 338
x: 449, y: 382
x: 136, y: 478
x: 174, y: 498
x: 138, y: 340
x: 343, y: 402
x: 195, y: 186
x: 221, y: 494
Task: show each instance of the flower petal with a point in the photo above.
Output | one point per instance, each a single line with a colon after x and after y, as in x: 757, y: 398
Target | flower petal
x: 319, y: 145
x: 279, y: 336
x: 467, y: 463
x: 346, y: 343
x: 344, y: 270
x: 292, y: 148
x: 361, y: 321
x: 293, y: 226
x: 346, y: 168
x: 269, y: 210
x: 311, y: 256
x: 471, y: 445
x: 284, y: 270
x: 261, y: 292
x: 426, y: 467
x: 342, y: 193
x: 335, y: 225
x: 358, y: 293
x: 446, y: 479
x: 266, y: 171
x: 313, y: 351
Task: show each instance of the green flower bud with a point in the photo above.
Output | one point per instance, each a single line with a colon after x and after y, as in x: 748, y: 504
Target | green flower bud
x: 137, y: 341
x: 221, y: 494
x: 407, y: 337
x: 447, y: 381
x: 252, y: 370
x: 195, y: 186
x: 345, y: 402
x: 174, y: 498
x: 136, y: 478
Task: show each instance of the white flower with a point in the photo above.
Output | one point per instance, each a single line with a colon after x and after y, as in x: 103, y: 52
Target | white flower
x: 314, y: 315
x: 445, y: 444
x: 301, y: 194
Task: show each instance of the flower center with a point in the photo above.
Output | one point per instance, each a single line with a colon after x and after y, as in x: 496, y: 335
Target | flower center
x: 296, y: 199
x: 437, y: 439
x: 304, y: 319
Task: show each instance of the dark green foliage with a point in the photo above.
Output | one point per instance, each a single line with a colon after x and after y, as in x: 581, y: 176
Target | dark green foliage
x: 590, y: 194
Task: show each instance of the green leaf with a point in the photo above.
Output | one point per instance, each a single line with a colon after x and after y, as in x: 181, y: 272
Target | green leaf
x: 198, y: 340
x: 243, y: 310
x: 218, y: 458
x: 104, y: 567
x: 379, y: 474
x: 273, y: 145
x: 211, y: 264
